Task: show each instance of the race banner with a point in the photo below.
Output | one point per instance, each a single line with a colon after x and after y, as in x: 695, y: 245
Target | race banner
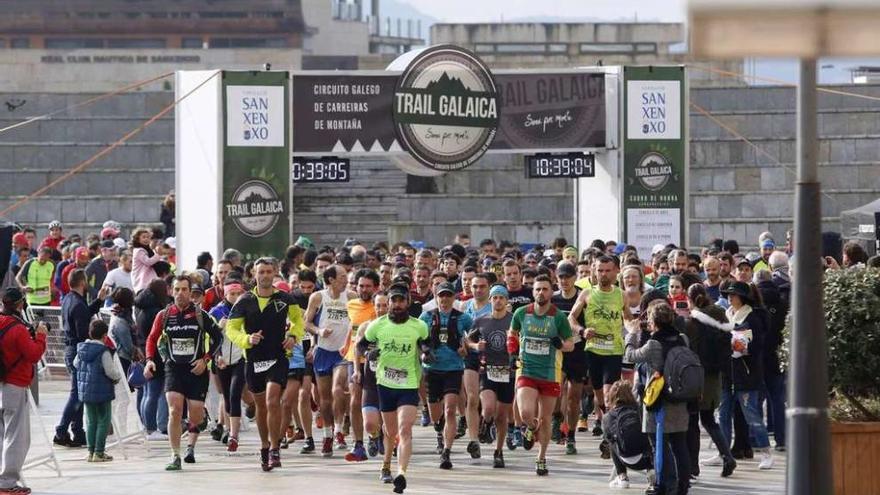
x: 339, y: 113
x: 655, y: 157
x: 256, y: 163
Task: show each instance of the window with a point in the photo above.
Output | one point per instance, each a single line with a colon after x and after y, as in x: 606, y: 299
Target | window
x: 249, y: 43
x: 607, y: 48
x: 484, y: 48
x: 557, y: 48
x: 20, y: 43
x: 191, y: 43
x: 521, y: 48
x: 135, y: 43
x: 73, y: 43
x: 646, y: 47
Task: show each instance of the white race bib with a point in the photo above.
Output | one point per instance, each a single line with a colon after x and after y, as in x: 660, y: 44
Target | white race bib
x: 183, y: 347
x: 537, y: 346
x: 396, y: 376
x: 499, y: 374
x: 44, y: 291
x: 263, y: 366
x: 444, y: 336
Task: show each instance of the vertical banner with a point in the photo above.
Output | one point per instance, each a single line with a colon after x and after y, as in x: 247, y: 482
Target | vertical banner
x: 256, y: 163
x: 655, y: 157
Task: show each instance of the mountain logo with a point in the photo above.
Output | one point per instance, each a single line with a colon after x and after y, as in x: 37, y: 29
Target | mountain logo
x: 653, y: 171
x: 255, y: 208
x: 446, y: 108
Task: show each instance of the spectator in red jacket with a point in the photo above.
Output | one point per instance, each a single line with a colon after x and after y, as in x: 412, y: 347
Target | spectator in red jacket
x: 55, y: 235
x: 81, y: 260
x: 19, y: 350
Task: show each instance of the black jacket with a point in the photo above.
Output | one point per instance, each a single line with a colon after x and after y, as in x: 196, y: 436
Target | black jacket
x: 747, y: 372
x: 76, y: 314
x: 777, y: 310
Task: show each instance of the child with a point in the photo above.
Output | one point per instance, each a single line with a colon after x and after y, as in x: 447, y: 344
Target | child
x: 630, y: 448
x: 96, y: 374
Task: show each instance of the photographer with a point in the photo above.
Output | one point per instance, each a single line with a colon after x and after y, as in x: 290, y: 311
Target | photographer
x: 20, y: 348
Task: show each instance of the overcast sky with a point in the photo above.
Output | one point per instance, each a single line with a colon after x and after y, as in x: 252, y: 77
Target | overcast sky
x: 496, y: 10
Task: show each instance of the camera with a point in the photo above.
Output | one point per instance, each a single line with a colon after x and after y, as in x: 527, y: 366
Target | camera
x: 48, y: 326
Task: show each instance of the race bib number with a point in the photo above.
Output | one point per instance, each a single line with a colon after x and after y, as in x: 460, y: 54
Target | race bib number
x: 183, y: 347
x: 499, y: 374
x: 537, y: 346
x: 444, y: 336
x: 263, y: 366
x: 396, y: 376
x: 44, y: 291
x: 602, y: 342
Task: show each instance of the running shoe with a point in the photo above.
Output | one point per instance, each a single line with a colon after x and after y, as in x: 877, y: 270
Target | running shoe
x: 275, y: 458
x: 309, y: 447
x: 498, y: 459
x: 473, y: 449
x: 541, y: 467
x: 357, y: 454
x: 232, y: 445
x: 385, y: 477
x: 570, y: 447
x: 190, y: 457
x: 174, y: 465
x: 340, y: 441
x: 327, y: 448
x: 462, y: 428
x: 529, y: 439
x: 582, y: 425
x: 445, y: 461
x: 399, y: 483
x: 372, y: 447
x: 265, y: 465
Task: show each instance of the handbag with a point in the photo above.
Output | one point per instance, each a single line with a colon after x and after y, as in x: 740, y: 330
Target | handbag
x: 136, y: 375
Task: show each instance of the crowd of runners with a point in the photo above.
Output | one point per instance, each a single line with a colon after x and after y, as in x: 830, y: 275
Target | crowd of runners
x: 497, y: 346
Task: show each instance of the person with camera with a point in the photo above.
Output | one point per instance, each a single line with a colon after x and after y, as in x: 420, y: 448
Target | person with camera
x: 76, y: 314
x: 21, y: 347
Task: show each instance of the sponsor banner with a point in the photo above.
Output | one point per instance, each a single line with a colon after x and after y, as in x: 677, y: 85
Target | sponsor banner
x: 553, y: 111
x: 655, y: 160
x: 256, y: 154
x: 351, y: 113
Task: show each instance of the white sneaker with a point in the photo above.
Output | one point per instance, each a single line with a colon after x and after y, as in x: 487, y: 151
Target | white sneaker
x: 157, y: 436
x: 715, y: 460
x: 766, y: 461
x: 620, y: 481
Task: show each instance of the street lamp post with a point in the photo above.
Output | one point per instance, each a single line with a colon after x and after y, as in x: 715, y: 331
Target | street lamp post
x: 806, y: 29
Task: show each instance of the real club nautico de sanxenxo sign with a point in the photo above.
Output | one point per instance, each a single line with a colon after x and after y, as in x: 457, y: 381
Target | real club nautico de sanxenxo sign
x: 446, y: 108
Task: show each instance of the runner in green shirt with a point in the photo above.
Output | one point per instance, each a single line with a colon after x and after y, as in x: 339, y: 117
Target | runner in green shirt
x: 400, y: 340
x: 604, y: 312
x: 539, y: 334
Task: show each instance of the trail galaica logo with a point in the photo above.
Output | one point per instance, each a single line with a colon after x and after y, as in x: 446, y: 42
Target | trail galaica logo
x: 255, y: 208
x: 446, y: 108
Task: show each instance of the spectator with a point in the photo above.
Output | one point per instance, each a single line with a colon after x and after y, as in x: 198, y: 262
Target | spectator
x: 747, y: 368
x: 35, y: 278
x: 780, y: 275
x: 96, y: 374
x: 676, y: 467
x: 630, y: 447
x: 20, y: 350
x: 151, y: 403
x: 55, y: 236
x: 121, y: 275
x: 81, y: 260
x: 204, y: 265
x: 169, y: 250
x: 98, y: 268
x: 19, y: 242
x: 774, y: 379
x: 143, y: 260
x: 167, y: 216
x: 854, y: 254
x: 75, y: 316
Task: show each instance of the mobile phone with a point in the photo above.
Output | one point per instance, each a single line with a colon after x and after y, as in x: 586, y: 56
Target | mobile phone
x: 681, y: 305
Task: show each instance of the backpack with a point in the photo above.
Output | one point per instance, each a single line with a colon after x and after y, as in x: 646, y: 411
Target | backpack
x: 626, y: 432
x: 682, y: 371
x: 3, y: 370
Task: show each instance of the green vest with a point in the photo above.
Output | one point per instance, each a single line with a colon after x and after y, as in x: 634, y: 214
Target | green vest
x: 39, y: 278
x: 604, y: 312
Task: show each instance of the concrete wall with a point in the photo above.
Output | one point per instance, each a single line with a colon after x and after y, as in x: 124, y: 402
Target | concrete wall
x: 71, y: 71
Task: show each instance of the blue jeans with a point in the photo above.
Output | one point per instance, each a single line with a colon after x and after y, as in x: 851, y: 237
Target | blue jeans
x: 72, y: 416
x: 775, y: 388
x: 154, y: 407
x: 751, y: 407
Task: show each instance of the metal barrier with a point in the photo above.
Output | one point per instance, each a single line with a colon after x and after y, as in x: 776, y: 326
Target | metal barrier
x: 53, y: 360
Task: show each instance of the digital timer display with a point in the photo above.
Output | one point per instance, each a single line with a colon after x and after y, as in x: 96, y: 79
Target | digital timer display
x: 567, y: 166
x: 306, y: 170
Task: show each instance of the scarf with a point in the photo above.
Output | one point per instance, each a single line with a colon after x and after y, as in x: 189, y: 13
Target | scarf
x: 737, y: 317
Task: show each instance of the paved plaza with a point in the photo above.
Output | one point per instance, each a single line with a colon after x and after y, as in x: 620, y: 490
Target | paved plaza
x: 216, y: 472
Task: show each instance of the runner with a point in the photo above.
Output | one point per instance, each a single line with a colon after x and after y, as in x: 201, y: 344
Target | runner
x: 258, y: 324
x: 513, y: 279
x: 476, y: 307
x: 574, y: 363
x: 230, y: 365
x: 360, y: 310
x: 538, y: 332
x: 488, y: 338
x: 399, y: 338
x: 330, y: 367
x: 444, y: 372
x: 365, y: 375
x: 308, y: 281
x: 604, y: 312
x: 179, y: 334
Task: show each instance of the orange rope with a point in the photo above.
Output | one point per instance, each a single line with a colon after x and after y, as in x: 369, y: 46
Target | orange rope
x: 89, y: 101
x: 81, y: 166
x: 738, y: 135
x: 780, y: 82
